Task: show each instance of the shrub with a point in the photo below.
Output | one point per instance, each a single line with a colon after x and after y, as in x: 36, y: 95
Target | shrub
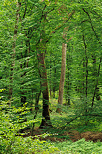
x: 11, y: 142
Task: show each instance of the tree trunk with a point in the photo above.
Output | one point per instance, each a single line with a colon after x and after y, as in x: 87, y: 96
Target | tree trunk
x: 62, y: 78
x: 14, y: 51
x: 68, y: 83
x: 96, y: 90
x: 54, y: 81
x: 50, y: 80
x: 41, y: 49
x: 27, y: 51
x: 46, y: 116
x: 97, y: 95
x: 86, y: 71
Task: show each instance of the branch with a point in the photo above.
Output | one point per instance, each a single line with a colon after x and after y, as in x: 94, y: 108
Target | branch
x: 100, y: 57
x: 50, y: 10
x: 84, y: 21
x: 98, y: 115
x: 71, y: 121
x: 92, y: 25
x: 62, y: 25
x: 25, y: 10
x: 96, y: 13
x: 96, y: 81
x: 95, y: 115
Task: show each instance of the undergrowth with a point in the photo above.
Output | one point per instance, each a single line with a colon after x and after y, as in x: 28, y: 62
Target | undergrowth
x: 11, y: 142
x: 79, y: 147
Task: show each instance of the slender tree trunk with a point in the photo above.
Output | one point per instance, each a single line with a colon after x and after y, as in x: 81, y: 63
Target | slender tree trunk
x: 86, y: 70
x: 62, y: 78
x: 96, y: 84
x: 99, y: 67
x: 36, y: 109
x: 97, y: 95
x: 54, y: 81
x: 23, y: 93
x: 68, y: 83
x: 14, y: 51
x: 50, y: 81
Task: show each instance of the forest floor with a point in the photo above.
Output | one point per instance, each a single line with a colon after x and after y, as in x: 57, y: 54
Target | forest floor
x: 71, y: 135
x: 60, y: 132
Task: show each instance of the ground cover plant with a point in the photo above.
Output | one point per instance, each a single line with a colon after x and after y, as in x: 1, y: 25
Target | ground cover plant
x: 48, y: 140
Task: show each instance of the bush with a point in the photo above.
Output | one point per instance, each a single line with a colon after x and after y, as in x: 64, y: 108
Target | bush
x: 11, y: 142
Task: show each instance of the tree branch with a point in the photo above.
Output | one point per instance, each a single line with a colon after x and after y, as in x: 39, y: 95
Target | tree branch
x: 100, y: 57
x: 92, y: 25
x: 71, y: 120
x: 60, y: 26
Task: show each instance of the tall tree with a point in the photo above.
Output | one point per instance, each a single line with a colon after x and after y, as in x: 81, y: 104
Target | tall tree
x: 62, y: 78
x: 14, y: 50
x: 41, y: 49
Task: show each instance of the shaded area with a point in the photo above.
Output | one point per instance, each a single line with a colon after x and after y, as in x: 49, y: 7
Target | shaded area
x: 72, y: 135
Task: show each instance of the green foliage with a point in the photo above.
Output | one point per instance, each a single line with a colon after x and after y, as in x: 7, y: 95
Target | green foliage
x: 27, y: 145
x: 37, y: 23
x: 13, y: 142
x: 80, y: 147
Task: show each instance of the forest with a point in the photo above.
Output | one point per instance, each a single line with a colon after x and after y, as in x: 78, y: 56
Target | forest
x: 50, y: 77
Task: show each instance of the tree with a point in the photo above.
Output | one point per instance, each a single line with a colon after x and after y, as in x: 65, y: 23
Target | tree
x: 33, y: 32
x: 14, y: 51
x: 62, y: 78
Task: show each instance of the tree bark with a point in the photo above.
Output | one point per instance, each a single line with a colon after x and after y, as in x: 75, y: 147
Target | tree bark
x: 41, y: 50
x: 45, y: 114
x: 62, y: 78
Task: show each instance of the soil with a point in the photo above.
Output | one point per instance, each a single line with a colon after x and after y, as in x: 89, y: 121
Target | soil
x: 72, y: 135
x: 88, y: 136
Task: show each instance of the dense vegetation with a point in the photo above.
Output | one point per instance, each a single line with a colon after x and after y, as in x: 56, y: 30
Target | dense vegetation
x: 50, y: 76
